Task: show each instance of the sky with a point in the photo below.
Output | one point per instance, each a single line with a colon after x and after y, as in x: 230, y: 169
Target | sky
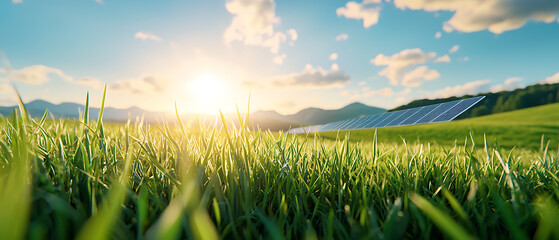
x: 211, y: 55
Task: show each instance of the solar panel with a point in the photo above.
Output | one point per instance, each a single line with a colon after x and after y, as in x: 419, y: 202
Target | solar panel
x: 442, y: 112
x: 458, y: 109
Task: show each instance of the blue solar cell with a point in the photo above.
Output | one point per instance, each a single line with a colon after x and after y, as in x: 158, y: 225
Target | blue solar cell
x: 422, y: 111
x: 361, y: 124
x: 385, y: 120
x: 357, y: 122
x: 327, y: 126
x: 404, y: 117
x: 332, y: 125
x: 348, y: 124
x: 365, y: 120
x: 345, y: 124
x: 440, y: 109
x: 335, y: 126
x: 398, y: 119
x: 381, y: 118
x: 457, y: 110
x: 352, y: 124
x: 396, y: 114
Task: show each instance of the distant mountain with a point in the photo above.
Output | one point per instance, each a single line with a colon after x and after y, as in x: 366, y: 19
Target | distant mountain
x: 264, y: 120
x: 311, y: 116
x: 73, y: 110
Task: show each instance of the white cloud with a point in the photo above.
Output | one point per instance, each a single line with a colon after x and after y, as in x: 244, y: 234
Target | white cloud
x: 385, y: 92
x: 366, y: 92
x: 469, y: 88
x: 358, y: 11
x: 415, y: 77
x: 342, y: 37
x: 497, y: 16
x: 91, y: 82
x: 333, y: 56
x: 253, y: 24
x: 7, y: 95
x: 444, y: 58
x: 147, y: 36
x: 362, y: 83
x: 37, y: 74
x: 17, y: 1
x: 292, y: 34
x: 314, y: 77
x: 454, y: 49
x: 438, y: 35
x: 398, y: 64
x: 465, y: 59
x: 99, y: 1
x: 402, y: 96
x: 142, y: 85
x: 335, y: 67
x: 40, y: 74
x: 509, y: 85
x: 552, y: 79
x: 279, y: 59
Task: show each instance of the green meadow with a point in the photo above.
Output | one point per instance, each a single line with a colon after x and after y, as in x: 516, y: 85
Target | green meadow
x: 89, y: 180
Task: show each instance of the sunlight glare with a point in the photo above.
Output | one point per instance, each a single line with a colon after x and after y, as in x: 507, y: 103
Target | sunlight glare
x: 209, y: 92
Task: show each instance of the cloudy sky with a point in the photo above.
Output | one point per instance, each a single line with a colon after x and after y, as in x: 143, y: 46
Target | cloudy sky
x: 287, y: 55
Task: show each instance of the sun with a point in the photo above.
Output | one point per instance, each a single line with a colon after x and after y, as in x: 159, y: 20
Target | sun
x: 206, y: 86
x: 209, y: 93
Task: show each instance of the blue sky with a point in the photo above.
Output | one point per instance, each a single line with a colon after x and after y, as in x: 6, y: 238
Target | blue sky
x: 288, y: 55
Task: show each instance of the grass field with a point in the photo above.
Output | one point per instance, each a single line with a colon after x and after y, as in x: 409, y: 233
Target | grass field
x: 521, y: 129
x: 79, y: 179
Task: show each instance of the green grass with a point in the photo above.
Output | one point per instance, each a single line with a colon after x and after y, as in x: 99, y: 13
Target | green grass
x: 522, y: 129
x: 77, y: 179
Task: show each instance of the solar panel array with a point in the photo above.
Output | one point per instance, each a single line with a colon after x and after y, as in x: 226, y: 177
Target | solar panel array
x: 442, y: 112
